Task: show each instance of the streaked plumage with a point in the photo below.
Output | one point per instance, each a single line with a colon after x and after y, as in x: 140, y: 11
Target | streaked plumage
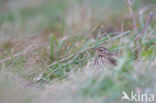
x: 104, y: 55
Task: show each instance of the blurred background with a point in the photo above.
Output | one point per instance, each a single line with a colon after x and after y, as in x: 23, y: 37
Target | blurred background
x: 26, y: 17
x: 32, y: 26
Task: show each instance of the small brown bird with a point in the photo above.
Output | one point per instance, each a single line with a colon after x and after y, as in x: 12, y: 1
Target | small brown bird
x: 105, y: 56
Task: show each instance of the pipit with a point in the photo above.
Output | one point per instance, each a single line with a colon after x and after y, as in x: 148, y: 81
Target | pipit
x: 104, y: 56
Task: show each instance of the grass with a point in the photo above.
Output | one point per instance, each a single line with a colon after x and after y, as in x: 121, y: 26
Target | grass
x: 46, y: 52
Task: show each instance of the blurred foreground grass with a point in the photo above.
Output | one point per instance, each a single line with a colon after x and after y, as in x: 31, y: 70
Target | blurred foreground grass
x: 46, y: 55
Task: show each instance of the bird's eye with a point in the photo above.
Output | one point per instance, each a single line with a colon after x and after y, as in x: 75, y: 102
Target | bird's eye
x: 101, y: 50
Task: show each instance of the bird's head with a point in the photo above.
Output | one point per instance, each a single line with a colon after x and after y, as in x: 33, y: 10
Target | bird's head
x: 102, y: 51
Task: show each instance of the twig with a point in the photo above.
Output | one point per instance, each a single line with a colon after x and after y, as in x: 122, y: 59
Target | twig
x: 18, y: 54
x: 138, y: 48
x: 146, y: 25
x: 122, y: 26
x: 132, y: 15
x: 9, y: 58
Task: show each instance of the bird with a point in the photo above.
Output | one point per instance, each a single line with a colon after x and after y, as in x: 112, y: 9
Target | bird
x: 104, y: 55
